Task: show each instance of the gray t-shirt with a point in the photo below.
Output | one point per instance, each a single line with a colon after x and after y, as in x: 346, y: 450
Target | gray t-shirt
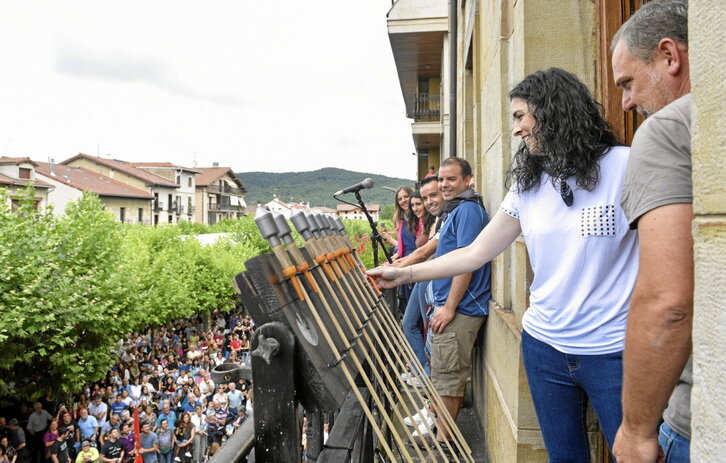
x: 659, y: 173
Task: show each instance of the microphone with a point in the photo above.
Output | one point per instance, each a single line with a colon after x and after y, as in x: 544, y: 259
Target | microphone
x: 365, y: 184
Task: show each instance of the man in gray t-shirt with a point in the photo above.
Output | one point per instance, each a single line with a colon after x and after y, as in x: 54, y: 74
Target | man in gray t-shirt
x: 650, y: 65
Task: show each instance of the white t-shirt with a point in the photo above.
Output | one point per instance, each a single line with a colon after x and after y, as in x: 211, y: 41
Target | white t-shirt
x: 584, y: 258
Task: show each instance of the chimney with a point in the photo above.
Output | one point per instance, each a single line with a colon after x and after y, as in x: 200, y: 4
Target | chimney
x: 51, y: 161
x: 215, y: 164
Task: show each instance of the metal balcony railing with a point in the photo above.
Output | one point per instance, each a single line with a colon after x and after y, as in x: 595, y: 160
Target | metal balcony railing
x: 427, y: 107
x: 226, y: 189
x: 224, y: 207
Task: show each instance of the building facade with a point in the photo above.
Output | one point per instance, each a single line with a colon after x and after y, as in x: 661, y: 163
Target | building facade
x: 126, y: 203
x: 184, y: 202
x: 219, y: 195
x: 16, y: 174
x: 161, y: 210
x: 472, y: 53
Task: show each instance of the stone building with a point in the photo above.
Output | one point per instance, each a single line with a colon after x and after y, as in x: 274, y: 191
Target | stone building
x: 456, y: 62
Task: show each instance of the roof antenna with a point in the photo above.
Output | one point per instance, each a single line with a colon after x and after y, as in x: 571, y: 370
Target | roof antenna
x: 194, y: 161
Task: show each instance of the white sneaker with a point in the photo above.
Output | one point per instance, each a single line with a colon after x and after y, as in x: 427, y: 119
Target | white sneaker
x: 416, y: 382
x: 188, y: 455
x: 423, y: 431
x: 405, y: 377
x: 177, y: 459
x: 419, y: 417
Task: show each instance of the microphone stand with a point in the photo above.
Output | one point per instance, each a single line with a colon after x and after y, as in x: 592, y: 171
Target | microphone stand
x: 376, y: 238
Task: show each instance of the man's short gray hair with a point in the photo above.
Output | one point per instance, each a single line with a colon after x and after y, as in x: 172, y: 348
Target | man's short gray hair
x: 653, y: 22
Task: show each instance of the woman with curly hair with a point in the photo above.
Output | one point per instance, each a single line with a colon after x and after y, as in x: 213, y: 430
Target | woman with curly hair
x: 564, y: 198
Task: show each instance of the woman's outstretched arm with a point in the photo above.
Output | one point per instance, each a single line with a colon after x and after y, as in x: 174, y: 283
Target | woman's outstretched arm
x: 495, y: 238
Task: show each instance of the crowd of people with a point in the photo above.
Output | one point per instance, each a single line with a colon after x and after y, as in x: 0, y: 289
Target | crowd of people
x: 164, y: 374
x: 607, y: 230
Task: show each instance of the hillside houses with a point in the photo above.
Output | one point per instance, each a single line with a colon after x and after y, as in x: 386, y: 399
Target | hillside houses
x: 142, y: 192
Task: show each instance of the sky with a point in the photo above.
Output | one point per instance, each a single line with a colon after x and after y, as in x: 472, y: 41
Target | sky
x: 275, y: 86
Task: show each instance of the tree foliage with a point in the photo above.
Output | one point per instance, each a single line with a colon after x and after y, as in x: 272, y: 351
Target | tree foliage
x: 72, y: 287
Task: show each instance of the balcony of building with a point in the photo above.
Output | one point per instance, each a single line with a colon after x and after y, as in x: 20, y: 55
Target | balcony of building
x: 416, y: 30
x: 226, y: 190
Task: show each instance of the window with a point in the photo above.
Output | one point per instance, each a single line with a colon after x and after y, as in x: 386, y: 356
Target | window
x: 24, y: 172
x: 122, y: 214
x: 178, y: 179
x: 189, y: 182
x: 141, y: 215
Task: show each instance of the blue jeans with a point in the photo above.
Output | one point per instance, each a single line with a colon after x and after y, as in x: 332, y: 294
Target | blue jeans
x: 166, y: 457
x: 413, y: 322
x: 561, y: 385
x: 677, y: 449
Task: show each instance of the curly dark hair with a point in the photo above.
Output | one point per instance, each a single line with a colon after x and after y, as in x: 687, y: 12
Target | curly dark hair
x: 570, y: 131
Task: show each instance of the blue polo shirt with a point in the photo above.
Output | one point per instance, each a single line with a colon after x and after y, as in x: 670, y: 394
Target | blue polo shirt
x: 460, y: 229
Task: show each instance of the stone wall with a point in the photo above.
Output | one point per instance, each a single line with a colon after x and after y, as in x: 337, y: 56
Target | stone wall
x: 707, y: 40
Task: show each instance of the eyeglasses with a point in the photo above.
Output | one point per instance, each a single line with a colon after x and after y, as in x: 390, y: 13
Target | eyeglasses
x: 566, y: 193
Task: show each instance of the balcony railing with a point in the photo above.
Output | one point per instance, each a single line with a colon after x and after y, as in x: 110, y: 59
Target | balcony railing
x: 224, y: 207
x: 226, y: 189
x: 427, y: 107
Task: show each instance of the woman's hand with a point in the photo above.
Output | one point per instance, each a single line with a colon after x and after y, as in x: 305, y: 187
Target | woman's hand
x: 389, y: 277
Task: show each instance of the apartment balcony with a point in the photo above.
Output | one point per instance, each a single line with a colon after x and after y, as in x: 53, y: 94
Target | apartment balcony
x: 427, y: 107
x: 416, y: 30
x: 225, y: 207
x: 226, y: 189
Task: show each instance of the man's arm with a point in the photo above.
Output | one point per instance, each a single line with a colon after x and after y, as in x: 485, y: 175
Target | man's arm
x: 418, y: 255
x: 445, y: 314
x: 658, y: 336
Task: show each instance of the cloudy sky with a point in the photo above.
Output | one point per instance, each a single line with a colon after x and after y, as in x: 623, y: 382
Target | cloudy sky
x: 260, y: 85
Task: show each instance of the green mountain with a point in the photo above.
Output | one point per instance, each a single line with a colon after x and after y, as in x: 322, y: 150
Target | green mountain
x: 317, y: 187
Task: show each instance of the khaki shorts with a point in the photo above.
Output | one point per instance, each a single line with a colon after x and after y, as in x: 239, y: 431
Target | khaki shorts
x: 451, y: 354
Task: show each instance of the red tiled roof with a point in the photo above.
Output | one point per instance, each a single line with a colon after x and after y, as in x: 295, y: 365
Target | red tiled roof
x: 10, y: 160
x: 121, y: 166
x: 92, y: 182
x: 323, y: 209
x: 5, y: 180
x: 210, y: 175
x: 161, y: 164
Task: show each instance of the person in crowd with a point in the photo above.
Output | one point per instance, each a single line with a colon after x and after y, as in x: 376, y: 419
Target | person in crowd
x: 221, y: 396
x: 60, y: 450
x: 87, y: 427
x: 114, y: 422
x: 234, y: 399
x: 149, y: 444
x: 65, y: 425
x: 166, y: 441
x: 3, y: 456
x: 112, y: 450
x: 38, y: 422
x: 128, y: 443
x: 651, y: 65
x: 184, y: 435
x: 199, y: 441
x: 10, y: 453
x: 216, y: 420
x: 166, y: 413
x: 99, y: 410
x: 88, y: 453
x: 49, y: 438
x: 564, y: 199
